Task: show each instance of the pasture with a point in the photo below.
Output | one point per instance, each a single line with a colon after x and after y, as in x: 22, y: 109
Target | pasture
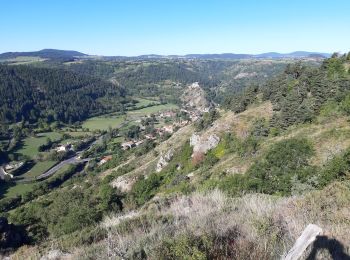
x: 103, y: 122
x: 30, y: 145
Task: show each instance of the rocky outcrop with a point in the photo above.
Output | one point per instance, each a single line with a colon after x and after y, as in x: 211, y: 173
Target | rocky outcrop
x: 203, y: 144
x: 164, y: 160
x: 124, y: 183
x: 194, y: 98
x: 55, y: 255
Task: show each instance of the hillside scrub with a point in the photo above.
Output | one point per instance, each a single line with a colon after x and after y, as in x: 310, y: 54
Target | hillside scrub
x: 285, y: 169
x: 212, y: 225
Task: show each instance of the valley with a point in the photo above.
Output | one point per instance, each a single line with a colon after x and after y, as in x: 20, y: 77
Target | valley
x: 101, y: 156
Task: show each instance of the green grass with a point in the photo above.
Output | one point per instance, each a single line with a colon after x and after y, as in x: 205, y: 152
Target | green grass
x: 24, y: 60
x: 63, y: 169
x: 144, y: 102
x: 18, y: 189
x: 38, y: 169
x: 111, y: 120
x: 31, y: 144
x: 103, y: 122
x: 78, y: 133
x: 152, y: 110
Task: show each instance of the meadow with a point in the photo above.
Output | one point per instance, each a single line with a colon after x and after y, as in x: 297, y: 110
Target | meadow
x: 111, y: 120
x: 103, y: 122
x: 31, y: 144
x: 152, y: 109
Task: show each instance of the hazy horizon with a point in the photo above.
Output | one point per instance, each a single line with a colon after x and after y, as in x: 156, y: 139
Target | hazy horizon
x: 173, y: 54
x: 137, y: 27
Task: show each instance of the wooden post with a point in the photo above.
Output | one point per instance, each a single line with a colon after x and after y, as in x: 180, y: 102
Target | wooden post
x: 307, y: 237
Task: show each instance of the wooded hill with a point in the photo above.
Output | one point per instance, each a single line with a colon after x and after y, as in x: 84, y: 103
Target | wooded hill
x: 299, y: 93
x: 30, y: 93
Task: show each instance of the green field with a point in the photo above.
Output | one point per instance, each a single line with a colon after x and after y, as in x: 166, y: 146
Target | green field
x: 144, y: 102
x: 103, y: 122
x: 18, y: 189
x: 78, y: 133
x: 31, y: 144
x: 151, y: 110
x: 110, y: 120
x: 24, y: 60
x: 38, y: 168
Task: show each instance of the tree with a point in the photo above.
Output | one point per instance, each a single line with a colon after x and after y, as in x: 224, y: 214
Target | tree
x: 133, y: 132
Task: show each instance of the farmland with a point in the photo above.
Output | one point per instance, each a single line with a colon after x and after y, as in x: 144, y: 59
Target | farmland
x: 30, y: 145
x: 103, y: 122
x: 112, y: 120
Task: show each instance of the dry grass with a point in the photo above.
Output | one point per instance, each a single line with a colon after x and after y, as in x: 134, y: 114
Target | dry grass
x: 329, y: 138
x: 254, y: 226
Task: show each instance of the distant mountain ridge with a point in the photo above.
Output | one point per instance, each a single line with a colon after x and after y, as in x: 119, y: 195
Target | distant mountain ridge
x: 45, y: 54
x: 67, y: 55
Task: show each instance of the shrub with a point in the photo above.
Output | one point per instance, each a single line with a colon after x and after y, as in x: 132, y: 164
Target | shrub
x: 284, y: 159
x: 345, y: 105
x: 144, y: 189
x: 335, y: 169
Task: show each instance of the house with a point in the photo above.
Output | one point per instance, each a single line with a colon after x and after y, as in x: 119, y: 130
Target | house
x: 150, y: 137
x: 128, y: 145
x: 13, y: 166
x: 167, y: 114
x: 61, y: 148
x: 168, y: 128
x: 139, y: 142
x: 65, y: 147
x: 4, y: 175
x: 105, y: 159
x: 182, y: 123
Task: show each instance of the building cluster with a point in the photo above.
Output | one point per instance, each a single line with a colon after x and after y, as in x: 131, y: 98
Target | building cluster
x: 105, y: 159
x: 65, y: 147
x: 163, y: 130
x: 7, y: 170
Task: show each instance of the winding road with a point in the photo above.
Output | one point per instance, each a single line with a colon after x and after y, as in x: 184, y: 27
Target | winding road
x: 54, y: 169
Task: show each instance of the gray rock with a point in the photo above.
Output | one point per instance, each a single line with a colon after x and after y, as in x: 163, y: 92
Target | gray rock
x: 54, y: 255
x: 202, y: 144
x: 164, y: 160
x: 194, y: 98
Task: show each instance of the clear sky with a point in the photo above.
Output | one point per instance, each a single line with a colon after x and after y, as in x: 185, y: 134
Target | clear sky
x: 134, y: 27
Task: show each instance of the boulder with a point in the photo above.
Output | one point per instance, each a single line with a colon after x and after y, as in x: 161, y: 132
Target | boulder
x: 203, y: 144
x: 124, y: 183
x: 164, y: 160
x: 55, y: 255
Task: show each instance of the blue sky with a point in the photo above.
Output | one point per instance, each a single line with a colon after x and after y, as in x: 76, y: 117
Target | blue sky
x: 134, y: 27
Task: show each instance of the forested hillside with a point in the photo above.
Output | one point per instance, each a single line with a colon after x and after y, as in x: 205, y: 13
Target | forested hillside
x: 166, y: 77
x: 31, y: 93
x: 301, y: 92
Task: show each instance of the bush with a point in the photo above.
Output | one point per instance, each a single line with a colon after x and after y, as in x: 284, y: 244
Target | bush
x: 337, y: 168
x: 345, y: 105
x: 207, y: 119
x: 272, y: 173
x: 145, y: 189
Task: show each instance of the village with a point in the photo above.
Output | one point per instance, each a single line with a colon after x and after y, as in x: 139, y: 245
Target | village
x: 172, y: 119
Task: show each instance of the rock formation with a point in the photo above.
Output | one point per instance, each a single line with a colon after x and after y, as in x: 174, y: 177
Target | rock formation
x: 164, y: 160
x: 203, y: 144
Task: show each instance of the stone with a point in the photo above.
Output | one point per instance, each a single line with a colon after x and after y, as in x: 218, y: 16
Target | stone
x: 164, y: 160
x: 204, y: 144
